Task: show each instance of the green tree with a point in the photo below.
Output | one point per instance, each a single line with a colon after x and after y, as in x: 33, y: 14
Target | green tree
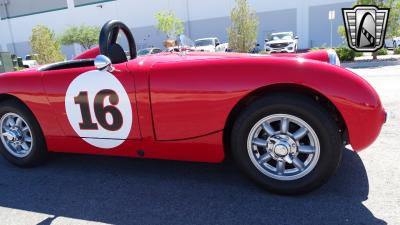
x: 169, y: 24
x: 342, y: 33
x: 243, y: 30
x: 45, y: 47
x: 393, y: 27
x: 86, y: 36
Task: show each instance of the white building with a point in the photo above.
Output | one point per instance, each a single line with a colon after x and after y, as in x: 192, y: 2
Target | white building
x: 205, y: 18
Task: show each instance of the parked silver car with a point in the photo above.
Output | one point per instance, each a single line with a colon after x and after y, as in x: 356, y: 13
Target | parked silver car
x: 148, y: 51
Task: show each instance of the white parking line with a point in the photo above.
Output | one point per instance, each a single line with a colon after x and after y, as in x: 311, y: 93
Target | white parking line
x: 12, y: 216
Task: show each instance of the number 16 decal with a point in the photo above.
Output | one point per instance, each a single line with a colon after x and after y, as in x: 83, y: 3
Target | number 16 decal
x: 98, y: 109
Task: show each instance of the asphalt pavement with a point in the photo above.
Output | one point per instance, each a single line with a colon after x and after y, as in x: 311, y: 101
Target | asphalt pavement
x: 79, y: 189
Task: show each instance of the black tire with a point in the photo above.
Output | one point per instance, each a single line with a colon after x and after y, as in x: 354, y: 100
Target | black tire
x: 305, y: 108
x: 38, y: 153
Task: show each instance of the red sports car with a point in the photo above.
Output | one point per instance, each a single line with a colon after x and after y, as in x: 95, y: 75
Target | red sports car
x: 284, y: 118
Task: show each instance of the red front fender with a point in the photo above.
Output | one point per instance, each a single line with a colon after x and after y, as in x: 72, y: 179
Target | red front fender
x: 193, y: 98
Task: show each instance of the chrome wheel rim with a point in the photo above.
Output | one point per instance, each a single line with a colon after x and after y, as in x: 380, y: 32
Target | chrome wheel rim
x: 16, y: 135
x: 283, y: 147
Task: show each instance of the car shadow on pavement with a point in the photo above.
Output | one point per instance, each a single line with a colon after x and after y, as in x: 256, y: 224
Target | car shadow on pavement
x: 132, y: 191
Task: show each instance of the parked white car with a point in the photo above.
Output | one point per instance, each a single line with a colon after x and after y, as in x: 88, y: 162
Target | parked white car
x: 222, y: 47
x: 281, y: 42
x: 206, y: 44
x: 29, y: 62
x: 392, y: 42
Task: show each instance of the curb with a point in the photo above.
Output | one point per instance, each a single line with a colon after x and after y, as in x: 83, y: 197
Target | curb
x: 370, y: 64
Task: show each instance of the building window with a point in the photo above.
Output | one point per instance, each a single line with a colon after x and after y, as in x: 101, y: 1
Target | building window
x: 18, y: 8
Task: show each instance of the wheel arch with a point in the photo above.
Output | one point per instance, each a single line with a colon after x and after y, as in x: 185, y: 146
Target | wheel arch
x: 283, y: 88
x: 38, y: 151
x: 5, y: 97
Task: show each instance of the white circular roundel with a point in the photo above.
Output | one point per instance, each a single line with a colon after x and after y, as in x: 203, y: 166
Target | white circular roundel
x: 98, y: 109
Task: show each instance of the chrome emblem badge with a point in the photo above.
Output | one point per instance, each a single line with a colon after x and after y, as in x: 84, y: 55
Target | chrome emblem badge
x: 365, y: 27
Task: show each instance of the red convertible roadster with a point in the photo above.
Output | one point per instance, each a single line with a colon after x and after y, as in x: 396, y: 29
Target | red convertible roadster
x: 284, y: 118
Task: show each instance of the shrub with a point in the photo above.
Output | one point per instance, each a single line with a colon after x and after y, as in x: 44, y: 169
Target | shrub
x: 19, y: 68
x: 45, y: 46
x: 359, y: 54
x: 345, y: 54
x: 396, y: 51
x: 382, y: 51
x: 264, y: 52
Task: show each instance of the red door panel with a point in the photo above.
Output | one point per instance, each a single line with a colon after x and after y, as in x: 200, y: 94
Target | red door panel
x: 188, y: 101
x: 92, y: 104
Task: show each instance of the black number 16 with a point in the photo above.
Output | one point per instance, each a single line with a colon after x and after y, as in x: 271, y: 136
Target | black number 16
x: 100, y: 110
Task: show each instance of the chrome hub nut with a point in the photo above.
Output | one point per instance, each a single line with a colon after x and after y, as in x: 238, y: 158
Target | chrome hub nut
x: 281, y: 145
x: 281, y: 150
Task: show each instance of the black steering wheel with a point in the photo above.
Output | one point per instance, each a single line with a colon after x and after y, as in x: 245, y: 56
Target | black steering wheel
x: 108, y: 42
